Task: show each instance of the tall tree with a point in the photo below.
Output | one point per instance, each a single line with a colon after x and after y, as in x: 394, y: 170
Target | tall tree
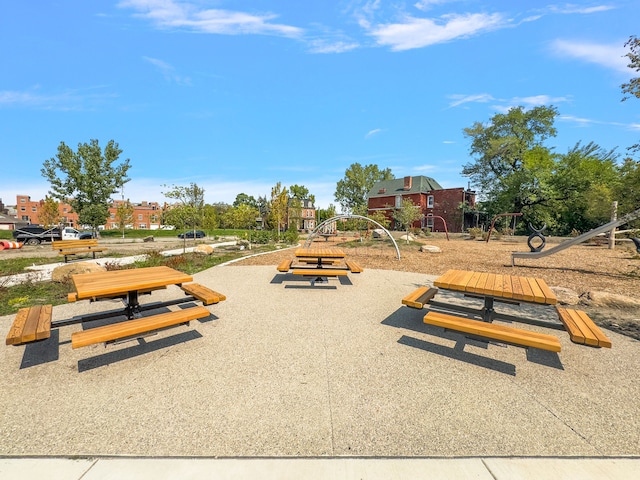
x: 244, y: 199
x: 87, y: 178
x: 352, y: 191
x: 49, y: 212
x: 189, y: 211
x: 278, y: 206
x: 299, y: 191
x: 124, y: 215
x: 407, y: 214
x: 632, y: 88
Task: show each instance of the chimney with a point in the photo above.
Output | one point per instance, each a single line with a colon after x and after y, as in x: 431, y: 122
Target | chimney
x: 407, y: 183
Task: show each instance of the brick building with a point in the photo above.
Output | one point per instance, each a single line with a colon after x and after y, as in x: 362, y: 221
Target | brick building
x: 146, y: 215
x: 433, y: 200
x: 304, y: 217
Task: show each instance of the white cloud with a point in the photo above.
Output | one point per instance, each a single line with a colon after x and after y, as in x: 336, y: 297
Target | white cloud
x: 421, y: 32
x: 572, y: 8
x: 331, y: 46
x: 425, y: 5
x: 608, y: 56
x: 190, y: 15
x: 458, y: 99
x: 373, y: 132
x: 537, y: 100
x: 63, y: 101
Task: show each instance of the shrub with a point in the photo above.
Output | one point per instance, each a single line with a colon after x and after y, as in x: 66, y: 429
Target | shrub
x: 475, y: 232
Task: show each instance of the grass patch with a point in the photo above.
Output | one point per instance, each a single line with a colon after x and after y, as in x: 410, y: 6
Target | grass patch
x: 39, y: 293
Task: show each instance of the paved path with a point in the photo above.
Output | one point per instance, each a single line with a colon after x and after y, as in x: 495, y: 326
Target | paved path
x: 284, y: 372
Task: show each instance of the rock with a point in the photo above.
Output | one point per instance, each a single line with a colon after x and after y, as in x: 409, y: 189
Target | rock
x: 606, y: 299
x: 566, y: 296
x: 378, y: 233
x: 430, y: 249
x: 406, y: 237
x: 203, y: 249
x: 148, y: 239
x: 64, y: 272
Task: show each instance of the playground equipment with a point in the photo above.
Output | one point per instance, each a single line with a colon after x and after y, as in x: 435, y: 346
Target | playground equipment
x: 444, y: 222
x: 318, y: 228
x: 579, y: 239
x: 539, y: 234
x: 493, y: 222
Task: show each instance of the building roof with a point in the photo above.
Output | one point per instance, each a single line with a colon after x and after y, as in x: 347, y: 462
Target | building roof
x: 419, y: 184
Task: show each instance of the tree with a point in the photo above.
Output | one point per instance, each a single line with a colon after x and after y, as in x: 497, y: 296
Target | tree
x: 299, y: 191
x: 352, y: 191
x: 124, y: 215
x: 633, y: 86
x: 49, y: 212
x: 189, y: 211
x: 243, y: 216
x: 501, y: 147
x: 88, y: 179
x: 278, y: 206
x: 628, y: 188
x: 407, y: 214
x: 244, y: 199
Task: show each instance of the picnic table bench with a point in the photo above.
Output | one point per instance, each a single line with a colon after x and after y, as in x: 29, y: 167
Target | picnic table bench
x: 75, y: 247
x: 30, y: 324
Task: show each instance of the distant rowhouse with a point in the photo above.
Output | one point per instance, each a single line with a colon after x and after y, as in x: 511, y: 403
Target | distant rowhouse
x: 435, y: 203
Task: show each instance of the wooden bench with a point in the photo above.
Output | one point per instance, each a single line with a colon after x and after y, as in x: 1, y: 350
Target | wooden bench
x: 135, y: 328
x: 75, y: 247
x: 582, y: 329
x: 320, y: 272
x: 30, y: 324
x: 202, y: 293
x: 419, y: 297
x: 515, y: 336
x: 284, y: 265
x: 353, y: 266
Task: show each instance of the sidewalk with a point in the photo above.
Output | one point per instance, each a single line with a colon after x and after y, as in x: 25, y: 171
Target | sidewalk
x: 490, y: 468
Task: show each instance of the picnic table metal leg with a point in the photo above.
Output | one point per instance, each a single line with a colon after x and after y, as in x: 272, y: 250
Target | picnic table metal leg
x: 132, y: 306
x: 488, y: 311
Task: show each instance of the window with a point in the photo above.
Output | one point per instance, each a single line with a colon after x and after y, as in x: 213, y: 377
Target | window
x: 33, y: 209
x: 142, y: 226
x: 139, y: 216
x: 430, y: 221
x: 430, y: 201
x: 23, y: 209
x: 398, y: 201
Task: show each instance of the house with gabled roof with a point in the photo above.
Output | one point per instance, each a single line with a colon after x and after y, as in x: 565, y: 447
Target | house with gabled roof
x: 437, y: 205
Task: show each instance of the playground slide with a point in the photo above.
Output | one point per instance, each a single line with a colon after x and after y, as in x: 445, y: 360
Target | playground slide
x: 579, y: 239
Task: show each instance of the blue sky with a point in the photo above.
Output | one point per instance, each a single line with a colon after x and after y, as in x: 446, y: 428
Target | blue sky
x: 238, y: 95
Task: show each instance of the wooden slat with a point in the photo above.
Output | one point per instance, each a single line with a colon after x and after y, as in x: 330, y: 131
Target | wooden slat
x: 460, y: 281
x: 495, y: 332
x: 62, y: 244
x: 549, y: 297
x: 507, y: 287
x: 517, y: 288
x: 538, y: 295
x: 139, y: 326
x: 482, y: 283
x: 582, y: 329
x: 202, y: 293
x: 527, y: 292
x: 471, y: 284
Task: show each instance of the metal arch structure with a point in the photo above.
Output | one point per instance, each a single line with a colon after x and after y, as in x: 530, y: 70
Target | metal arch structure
x: 345, y: 216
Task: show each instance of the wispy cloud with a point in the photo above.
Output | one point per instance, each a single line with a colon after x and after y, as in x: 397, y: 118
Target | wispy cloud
x: 415, y: 32
x: 571, y: 8
x: 608, y: 56
x: 457, y: 99
x: 373, y: 133
x: 69, y: 100
x: 331, y: 46
x: 587, y: 122
x: 192, y: 16
x: 168, y: 72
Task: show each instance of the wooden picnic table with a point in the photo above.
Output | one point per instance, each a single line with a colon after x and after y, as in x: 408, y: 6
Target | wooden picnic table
x: 319, y: 253
x: 126, y: 284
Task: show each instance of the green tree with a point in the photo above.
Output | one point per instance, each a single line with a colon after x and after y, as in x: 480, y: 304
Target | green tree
x: 407, y: 214
x: 278, y: 207
x: 87, y: 178
x: 632, y: 88
x: 244, y: 199
x: 299, y: 191
x: 210, y: 218
x: 189, y: 210
x: 353, y: 190
x: 49, y: 212
x: 124, y: 215
x: 380, y: 218
x: 628, y: 188
x: 243, y: 216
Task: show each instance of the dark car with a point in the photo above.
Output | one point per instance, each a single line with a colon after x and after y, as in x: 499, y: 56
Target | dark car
x: 189, y: 234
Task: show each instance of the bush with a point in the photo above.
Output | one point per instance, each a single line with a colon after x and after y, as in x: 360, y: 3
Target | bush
x: 475, y: 232
x: 291, y: 236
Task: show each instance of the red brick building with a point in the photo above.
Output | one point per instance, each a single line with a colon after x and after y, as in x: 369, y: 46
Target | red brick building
x: 146, y: 215
x: 433, y: 200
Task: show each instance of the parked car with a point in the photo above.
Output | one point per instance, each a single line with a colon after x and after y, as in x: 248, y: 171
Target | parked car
x: 190, y: 234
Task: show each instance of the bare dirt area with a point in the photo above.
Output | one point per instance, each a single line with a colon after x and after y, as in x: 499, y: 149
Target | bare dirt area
x: 583, y: 268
